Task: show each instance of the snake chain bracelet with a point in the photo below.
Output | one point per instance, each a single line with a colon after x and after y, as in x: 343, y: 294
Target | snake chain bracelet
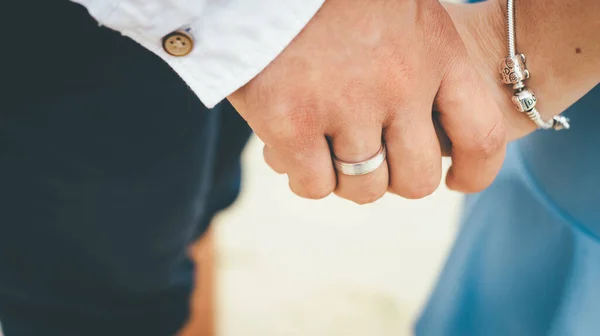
x: 513, y: 71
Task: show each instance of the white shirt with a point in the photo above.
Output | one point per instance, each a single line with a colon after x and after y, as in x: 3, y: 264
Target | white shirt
x: 234, y: 40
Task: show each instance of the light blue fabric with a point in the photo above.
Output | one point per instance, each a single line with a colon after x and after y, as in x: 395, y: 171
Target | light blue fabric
x: 527, y: 257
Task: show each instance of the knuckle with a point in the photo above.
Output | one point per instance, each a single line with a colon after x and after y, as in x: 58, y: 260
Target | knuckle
x: 373, y: 188
x: 419, y: 185
x: 297, y: 127
x: 467, y: 186
x: 369, y: 197
x: 276, y: 167
x: 492, y: 142
x: 418, y: 192
x: 366, y: 188
x: 272, y: 161
x: 310, y: 188
x: 418, y: 189
x: 267, y: 155
x: 455, y: 94
x: 316, y: 193
x: 472, y: 189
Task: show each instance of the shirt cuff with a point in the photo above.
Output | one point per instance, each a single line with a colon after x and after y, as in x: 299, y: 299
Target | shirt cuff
x: 233, y: 40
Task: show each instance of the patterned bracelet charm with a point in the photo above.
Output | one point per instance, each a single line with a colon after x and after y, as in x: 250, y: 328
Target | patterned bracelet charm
x: 513, y: 70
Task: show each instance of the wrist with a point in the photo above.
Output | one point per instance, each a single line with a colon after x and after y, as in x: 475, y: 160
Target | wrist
x: 563, y: 64
x: 482, y: 27
x: 550, y: 34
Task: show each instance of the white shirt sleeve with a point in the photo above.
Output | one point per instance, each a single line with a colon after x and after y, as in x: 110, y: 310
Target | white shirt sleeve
x: 234, y: 40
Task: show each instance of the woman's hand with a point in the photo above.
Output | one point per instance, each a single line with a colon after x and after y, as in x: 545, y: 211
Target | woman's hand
x: 561, y: 40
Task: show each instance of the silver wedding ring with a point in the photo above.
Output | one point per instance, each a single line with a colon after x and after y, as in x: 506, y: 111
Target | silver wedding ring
x: 360, y: 168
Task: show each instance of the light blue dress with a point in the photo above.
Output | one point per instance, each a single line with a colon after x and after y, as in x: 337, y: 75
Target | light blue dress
x: 527, y: 257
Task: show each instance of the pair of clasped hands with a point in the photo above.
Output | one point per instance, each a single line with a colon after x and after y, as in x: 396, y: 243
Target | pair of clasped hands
x: 417, y: 75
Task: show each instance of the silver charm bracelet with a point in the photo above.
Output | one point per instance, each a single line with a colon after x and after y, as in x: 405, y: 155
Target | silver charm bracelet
x: 513, y: 71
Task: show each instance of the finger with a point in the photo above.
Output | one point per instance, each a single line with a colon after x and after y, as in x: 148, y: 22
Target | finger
x: 414, y: 155
x: 474, y: 125
x: 356, y: 145
x: 274, y: 160
x: 310, y: 170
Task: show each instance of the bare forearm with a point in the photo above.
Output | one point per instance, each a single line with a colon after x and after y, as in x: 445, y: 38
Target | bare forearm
x: 561, y: 40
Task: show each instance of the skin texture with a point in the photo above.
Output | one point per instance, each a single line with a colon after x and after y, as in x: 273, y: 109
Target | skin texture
x: 561, y: 40
x: 365, y: 71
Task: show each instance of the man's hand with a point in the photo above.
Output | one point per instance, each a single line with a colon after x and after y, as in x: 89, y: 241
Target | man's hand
x: 364, y: 71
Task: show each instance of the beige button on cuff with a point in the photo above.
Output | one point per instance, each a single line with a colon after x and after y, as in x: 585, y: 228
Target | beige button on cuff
x: 178, y: 43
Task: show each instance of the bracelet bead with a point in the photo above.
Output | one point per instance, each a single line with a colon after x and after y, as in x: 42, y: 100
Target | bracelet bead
x: 524, y: 100
x: 513, y: 69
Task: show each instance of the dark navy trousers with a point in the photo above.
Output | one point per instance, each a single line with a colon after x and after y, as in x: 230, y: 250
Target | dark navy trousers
x: 109, y: 167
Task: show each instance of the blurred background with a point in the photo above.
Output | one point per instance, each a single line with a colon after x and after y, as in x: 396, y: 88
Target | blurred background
x: 286, y: 266
x: 279, y: 265
x: 290, y: 266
